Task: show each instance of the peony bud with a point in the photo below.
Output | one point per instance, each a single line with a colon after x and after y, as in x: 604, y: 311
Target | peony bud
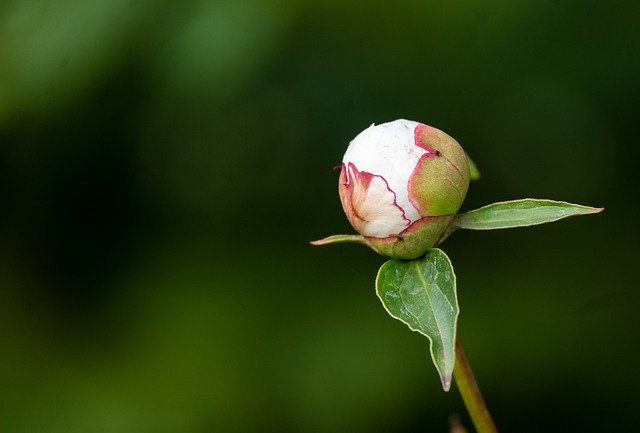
x: 401, y: 184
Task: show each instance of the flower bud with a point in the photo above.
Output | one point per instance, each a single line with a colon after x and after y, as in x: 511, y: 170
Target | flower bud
x: 401, y: 184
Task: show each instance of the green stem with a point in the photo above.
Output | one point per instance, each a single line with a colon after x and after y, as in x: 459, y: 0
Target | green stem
x: 471, y: 393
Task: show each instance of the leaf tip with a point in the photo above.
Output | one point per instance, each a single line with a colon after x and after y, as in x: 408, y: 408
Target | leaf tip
x: 588, y: 210
x: 446, y: 382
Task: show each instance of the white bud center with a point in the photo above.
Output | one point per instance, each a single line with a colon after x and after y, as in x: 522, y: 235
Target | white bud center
x: 389, y: 150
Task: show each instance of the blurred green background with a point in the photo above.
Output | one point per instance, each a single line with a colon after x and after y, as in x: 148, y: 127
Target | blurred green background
x: 163, y: 165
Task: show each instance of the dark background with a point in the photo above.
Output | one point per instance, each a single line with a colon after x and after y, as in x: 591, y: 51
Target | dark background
x: 163, y: 165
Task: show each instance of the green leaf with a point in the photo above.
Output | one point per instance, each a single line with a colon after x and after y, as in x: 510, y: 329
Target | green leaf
x: 422, y: 294
x: 519, y: 213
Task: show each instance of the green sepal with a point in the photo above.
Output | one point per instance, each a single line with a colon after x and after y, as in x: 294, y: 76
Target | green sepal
x: 474, y: 173
x: 422, y: 294
x: 359, y: 239
x: 415, y: 241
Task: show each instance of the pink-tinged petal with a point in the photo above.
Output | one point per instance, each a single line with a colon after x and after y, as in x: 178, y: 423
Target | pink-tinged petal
x: 370, y: 204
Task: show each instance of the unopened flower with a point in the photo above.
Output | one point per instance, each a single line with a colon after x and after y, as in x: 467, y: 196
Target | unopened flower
x: 401, y: 184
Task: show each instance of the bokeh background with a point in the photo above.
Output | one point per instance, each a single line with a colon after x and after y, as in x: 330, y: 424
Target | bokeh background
x: 164, y: 164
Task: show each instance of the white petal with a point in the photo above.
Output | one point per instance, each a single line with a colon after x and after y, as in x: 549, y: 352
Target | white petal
x: 389, y: 150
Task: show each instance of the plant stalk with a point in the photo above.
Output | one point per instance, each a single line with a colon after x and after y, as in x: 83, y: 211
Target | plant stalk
x: 471, y: 393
